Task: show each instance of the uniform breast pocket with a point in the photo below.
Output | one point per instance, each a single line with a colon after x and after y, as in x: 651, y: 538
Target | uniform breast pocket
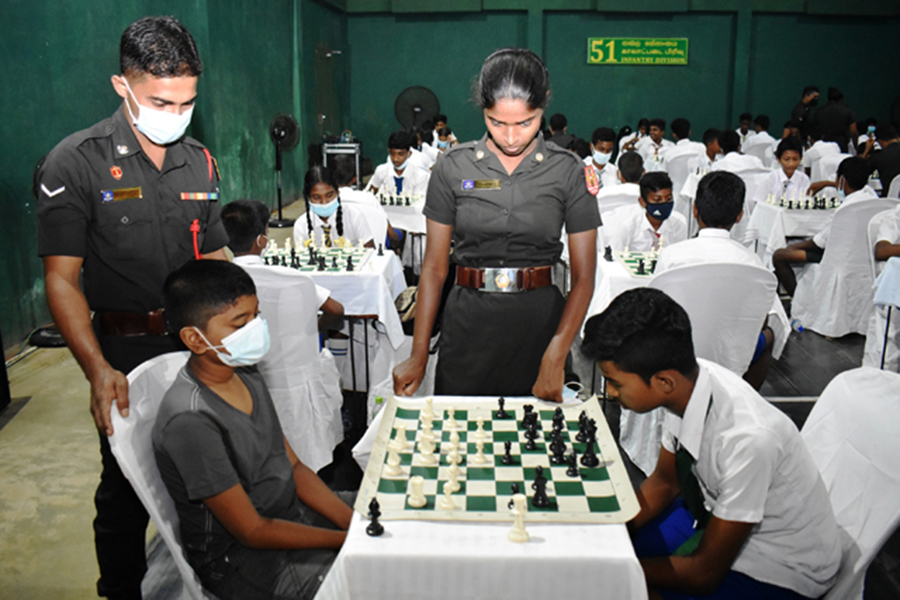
x: 177, y: 223
x: 125, y: 231
x: 477, y: 213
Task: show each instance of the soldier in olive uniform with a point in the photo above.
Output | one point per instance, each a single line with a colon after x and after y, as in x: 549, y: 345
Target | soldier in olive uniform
x: 503, y: 202
x: 122, y: 204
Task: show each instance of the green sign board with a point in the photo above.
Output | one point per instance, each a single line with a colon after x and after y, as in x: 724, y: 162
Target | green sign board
x: 637, y: 51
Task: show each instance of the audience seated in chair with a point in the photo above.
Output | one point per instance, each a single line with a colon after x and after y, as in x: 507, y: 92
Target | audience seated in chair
x: 788, y: 182
x: 629, y: 173
x: 884, y: 238
x: 732, y: 159
x: 650, y: 222
x: 601, y: 158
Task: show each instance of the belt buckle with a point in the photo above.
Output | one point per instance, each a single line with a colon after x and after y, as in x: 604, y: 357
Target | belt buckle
x: 502, y: 280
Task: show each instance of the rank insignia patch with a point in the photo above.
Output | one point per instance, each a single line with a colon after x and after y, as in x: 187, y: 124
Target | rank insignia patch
x: 116, y: 172
x: 468, y: 185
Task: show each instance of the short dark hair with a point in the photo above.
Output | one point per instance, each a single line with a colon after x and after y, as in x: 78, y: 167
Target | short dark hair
x: 603, y: 134
x: 814, y: 131
x: 885, y: 132
x: 580, y: 147
x: 399, y: 140
x: 809, y: 90
x: 710, y: 136
x: 661, y: 123
x: 558, y: 122
x: 835, y: 95
x: 344, y: 168
x: 729, y: 141
x: 512, y: 74
x: 789, y: 143
x: 762, y: 121
x: 642, y: 331
x: 745, y: 117
x: 441, y: 118
x: 644, y: 122
x: 653, y: 182
x: 856, y: 171
x: 202, y: 289
x: 631, y: 166
x: 681, y: 128
x: 159, y: 46
x: 244, y: 221
x: 720, y: 199
x: 445, y: 131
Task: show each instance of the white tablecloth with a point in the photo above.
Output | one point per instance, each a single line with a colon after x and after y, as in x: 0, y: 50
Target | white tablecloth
x: 407, y: 218
x: 771, y: 225
x: 370, y: 291
x: 611, y: 279
x: 455, y: 561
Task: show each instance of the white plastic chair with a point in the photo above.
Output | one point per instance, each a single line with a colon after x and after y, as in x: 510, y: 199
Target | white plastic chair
x: 761, y: 151
x: 819, y: 167
x: 304, y: 383
x: 851, y: 435
x: 375, y: 219
x: 827, y: 167
x: 834, y: 297
x: 894, y: 189
x: 133, y: 448
x: 678, y: 170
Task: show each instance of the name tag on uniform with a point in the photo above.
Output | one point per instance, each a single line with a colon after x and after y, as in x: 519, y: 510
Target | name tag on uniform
x: 480, y: 184
x: 121, y: 194
x: 199, y: 195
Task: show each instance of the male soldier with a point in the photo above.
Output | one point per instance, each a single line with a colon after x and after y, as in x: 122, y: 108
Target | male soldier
x: 123, y: 204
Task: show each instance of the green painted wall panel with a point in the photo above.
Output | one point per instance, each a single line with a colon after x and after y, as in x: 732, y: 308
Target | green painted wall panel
x: 424, y: 6
x: 390, y: 53
x: 613, y: 95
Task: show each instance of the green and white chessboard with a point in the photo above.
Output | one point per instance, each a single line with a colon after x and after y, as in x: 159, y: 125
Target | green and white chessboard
x: 601, y: 494
x: 631, y: 261
x: 335, y: 259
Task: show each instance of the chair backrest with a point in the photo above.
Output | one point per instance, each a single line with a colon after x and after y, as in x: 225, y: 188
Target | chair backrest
x: 307, y: 402
x: 851, y: 434
x: 761, y: 151
x: 678, y: 170
x: 872, y: 230
x: 848, y: 250
x: 611, y: 201
x: 133, y: 448
x: 374, y: 216
x: 816, y: 172
x: 894, y: 189
x: 827, y: 167
x: 727, y: 304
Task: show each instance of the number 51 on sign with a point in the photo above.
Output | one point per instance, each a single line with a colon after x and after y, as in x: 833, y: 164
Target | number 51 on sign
x: 637, y: 51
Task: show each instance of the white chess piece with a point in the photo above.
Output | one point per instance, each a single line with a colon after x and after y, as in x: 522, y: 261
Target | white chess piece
x: 480, y: 433
x: 400, y: 438
x: 520, y: 508
x: 392, y: 469
x: 454, y: 439
x: 427, y: 432
x: 427, y: 456
x: 453, y: 479
x: 287, y: 245
x: 429, y: 408
x: 416, y: 496
x: 480, y: 458
x: 454, y: 458
x: 450, y: 422
x: 447, y: 502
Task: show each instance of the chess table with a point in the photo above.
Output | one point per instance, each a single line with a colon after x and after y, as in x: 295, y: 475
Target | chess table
x: 770, y: 226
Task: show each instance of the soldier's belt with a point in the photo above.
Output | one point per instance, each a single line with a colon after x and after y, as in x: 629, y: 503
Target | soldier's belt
x: 131, y: 324
x: 504, y: 280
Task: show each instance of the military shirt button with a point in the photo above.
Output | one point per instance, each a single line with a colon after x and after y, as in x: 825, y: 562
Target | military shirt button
x: 505, y: 211
x: 125, y: 220
x: 539, y: 157
x: 479, y: 155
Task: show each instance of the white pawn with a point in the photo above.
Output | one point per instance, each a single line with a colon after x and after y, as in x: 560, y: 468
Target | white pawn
x: 400, y: 438
x: 427, y: 456
x: 447, y: 502
x: 480, y: 433
x: 454, y: 458
x: 429, y: 408
x: 427, y: 432
x: 451, y: 423
x: 454, y: 439
x: 287, y: 245
x: 453, y: 479
x: 416, y: 496
x: 480, y: 458
x: 520, y: 508
x: 393, y: 462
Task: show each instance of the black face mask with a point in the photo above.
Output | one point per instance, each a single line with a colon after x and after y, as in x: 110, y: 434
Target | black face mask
x: 813, y: 102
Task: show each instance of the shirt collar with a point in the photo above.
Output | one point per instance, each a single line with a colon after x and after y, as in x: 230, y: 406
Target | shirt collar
x: 693, y: 421
x: 248, y: 260
x: 487, y: 157
x: 126, y: 142
x: 864, y: 194
x: 714, y: 232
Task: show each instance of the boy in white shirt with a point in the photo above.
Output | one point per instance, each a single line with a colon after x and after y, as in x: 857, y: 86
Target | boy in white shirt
x: 733, y: 160
x: 399, y: 176
x: 651, y: 222
x: 604, y: 169
x: 651, y: 146
x: 628, y: 142
x: 745, y: 122
x: 853, y: 175
x: 629, y: 173
x: 788, y: 181
x: 818, y: 147
x: 762, y: 138
x: 704, y: 161
x: 735, y: 508
x: 440, y: 121
x: 681, y: 133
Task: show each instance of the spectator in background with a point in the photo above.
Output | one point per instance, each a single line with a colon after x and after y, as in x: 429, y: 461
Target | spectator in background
x: 745, y: 122
x: 802, y: 112
x: 835, y: 120
x: 559, y: 127
x: 886, y: 160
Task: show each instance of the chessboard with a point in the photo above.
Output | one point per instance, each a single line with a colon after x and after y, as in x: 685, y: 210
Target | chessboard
x: 390, y: 200
x: 638, y: 264
x: 815, y: 203
x: 573, y: 493
x: 327, y: 260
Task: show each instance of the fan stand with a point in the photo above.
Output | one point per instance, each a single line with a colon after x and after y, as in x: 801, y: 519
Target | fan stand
x: 280, y: 222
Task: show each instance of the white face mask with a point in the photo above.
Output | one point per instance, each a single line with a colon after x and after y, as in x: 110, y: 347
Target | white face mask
x: 246, y: 346
x: 600, y: 158
x: 159, y: 126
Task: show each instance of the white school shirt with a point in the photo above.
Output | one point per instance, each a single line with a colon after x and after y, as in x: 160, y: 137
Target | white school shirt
x: 888, y: 231
x: 349, y: 195
x: 430, y: 151
x: 682, y: 147
x: 750, y: 133
x: 450, y: 138
x: 629, y: 228
x: 817, y: 151
x: 778, y: 185
x: 762, y: 139
x: 627, y: 139
x: 252, y: 260
x: 653, y: 153
x: 356, y: 229
x: 609, y: 174
x: 753, y: 467
x: 701, y: 162
x: 415, y: 180
x: 735, y: 162
x: 867, y: 193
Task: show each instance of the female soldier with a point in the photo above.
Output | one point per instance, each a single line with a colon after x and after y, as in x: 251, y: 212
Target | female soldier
x: 503, y: 200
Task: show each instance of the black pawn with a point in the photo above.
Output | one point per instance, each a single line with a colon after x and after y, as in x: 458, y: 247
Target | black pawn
x: 513, y: 490
x: 608, y: 255
x: 501, y: 412
x: 538, y: 477
x: 380, y: 249
x: 334, y: 262
x: 266, y: 260
x: 653, y: 266
x: 283, y: 260
x: 321, y: 266
x: 507, y: 455
x: 312, y: 257
x: 407, y: 201
x: 572, y: 461
x: 641, y: 270
x: 375, y: 528
x: 349, y: 263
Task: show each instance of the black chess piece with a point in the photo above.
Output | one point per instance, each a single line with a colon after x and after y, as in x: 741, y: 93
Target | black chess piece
x: 380, y: 249
x: 526, y: 417
x: 334, y: 262
x: 540, y: 499
x: 283, y: 260
x: 507, y: 455
x: 350, y: 263
x: 572, y: 461
x: 653, y: 266
x: 375, y: 528
x: 589, y: 458
x: 321, y: 266
x: 513, y: 490
x: 501, y: 412
x: 391, y: 201
x: 266, y: 260
x: 641, y: 269
x: 607, y: 254
x: 559, y: 453
x: 530, y: 431
x: 407, y: 201
x: 530, y: 445
x: 312, y: 257
x: 538, y: 477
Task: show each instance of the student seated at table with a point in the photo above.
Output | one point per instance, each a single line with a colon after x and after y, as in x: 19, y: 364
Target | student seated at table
x: 732, y: 159
x: 628, y: 141
x: 444, y: 140
x: 255, y: 521
x: 440, y: 121
x: 703, y: 162
x: 652, y: 147
x: 628, y: 174
x: 762, y: 138
x: 681, y: 133
x: 643, y: 226
x: 745, y: 128
x: 421, y: 154
x: 328, y: 222
x: 853, y: 174
x: 718, y: 207
x: 398, y: 176
x: 247, y: 225
x: 600, y: 159
x: 345, y: 176
x: 788, y: 181
x: 818, y: 148
x: 735, y: 507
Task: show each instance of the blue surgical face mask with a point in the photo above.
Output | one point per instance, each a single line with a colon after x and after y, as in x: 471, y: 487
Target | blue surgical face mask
x: 871, y: 129
x: 442, y: 145
x: 245, y: 347
x: 600, y: 158
x: 325, y: 210
x: 159, y: 126
x: 660, y: 211
x: 401, y: 166
x: 840, y: 189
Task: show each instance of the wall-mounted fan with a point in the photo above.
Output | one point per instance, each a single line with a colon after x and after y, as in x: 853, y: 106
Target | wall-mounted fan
x: 415, y: 105
x: 285, y: 134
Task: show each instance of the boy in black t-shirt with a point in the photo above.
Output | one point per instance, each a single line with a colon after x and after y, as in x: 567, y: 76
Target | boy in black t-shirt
x: 255, y: 521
